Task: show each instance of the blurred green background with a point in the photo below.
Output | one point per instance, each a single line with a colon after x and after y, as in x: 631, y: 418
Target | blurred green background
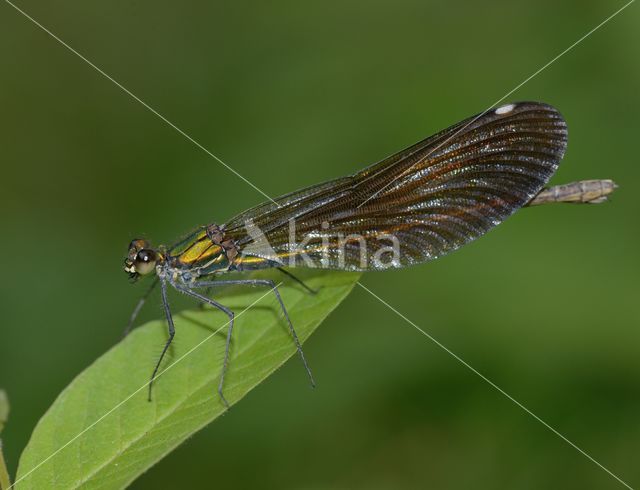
x: 289, y: 94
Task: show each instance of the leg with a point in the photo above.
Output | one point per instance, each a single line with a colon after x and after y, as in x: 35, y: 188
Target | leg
x: 207, y: 293
x: 138, y: 307
x: 230, y: 314
x: 298, y: 280
x: 172, y: 332
x: 274, y: 288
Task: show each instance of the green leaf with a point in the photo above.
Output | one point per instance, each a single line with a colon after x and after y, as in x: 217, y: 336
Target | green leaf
x: 4, y: 409
x: 124, y: 434
x: 5, y: 481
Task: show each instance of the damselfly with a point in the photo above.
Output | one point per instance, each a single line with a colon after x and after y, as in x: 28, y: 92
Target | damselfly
x: 414, y: 206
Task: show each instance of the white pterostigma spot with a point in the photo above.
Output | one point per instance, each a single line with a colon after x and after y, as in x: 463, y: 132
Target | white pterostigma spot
x: 505, y: 109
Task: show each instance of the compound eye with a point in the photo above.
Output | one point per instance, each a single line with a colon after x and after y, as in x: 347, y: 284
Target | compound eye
x: 136, y: 245
x: 145, y: 261
x: 144, y: 256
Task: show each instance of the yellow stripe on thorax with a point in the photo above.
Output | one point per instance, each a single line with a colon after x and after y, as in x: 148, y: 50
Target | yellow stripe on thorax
x: 199, y: 251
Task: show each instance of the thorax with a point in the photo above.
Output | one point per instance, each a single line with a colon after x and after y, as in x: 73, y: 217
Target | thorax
x: 206, y: 251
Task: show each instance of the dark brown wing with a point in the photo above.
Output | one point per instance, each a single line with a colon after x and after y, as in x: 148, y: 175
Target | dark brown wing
x: 427, y: 200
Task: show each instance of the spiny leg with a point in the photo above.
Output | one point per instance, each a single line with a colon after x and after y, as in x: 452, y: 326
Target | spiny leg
x: 272, y: 285
x: 230, y: 314
x: 298, y: 280
x: 138, y: 307
x: 172, y: 332
x: 207, y: 293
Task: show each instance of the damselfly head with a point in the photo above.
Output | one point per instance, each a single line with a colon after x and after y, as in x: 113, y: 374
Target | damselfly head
x: 141, y: 259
